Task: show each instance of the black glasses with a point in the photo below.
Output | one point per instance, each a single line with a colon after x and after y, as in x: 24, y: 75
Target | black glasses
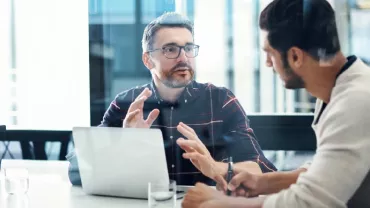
x: 173, y: 51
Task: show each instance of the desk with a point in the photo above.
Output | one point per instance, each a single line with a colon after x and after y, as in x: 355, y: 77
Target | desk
x: 50, y: 187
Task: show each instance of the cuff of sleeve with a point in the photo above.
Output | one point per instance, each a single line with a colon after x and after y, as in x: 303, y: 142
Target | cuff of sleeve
x: 271, y: 201
x: 306, y: 165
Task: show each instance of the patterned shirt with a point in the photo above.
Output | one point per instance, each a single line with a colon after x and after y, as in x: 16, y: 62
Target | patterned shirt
x: 215, y: 115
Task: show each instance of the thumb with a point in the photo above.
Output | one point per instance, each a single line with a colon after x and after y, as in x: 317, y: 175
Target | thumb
x: 238, y: 179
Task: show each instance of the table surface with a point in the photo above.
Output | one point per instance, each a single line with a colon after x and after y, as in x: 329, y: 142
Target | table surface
x: 49, y: 187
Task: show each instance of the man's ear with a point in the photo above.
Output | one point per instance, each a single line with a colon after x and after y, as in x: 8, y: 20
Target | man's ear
x: 147, y: 61
x: 295, y: 57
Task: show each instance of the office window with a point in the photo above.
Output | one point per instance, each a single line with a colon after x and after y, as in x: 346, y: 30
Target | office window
x: 44, y: 74
x: 359, y: 31
x: 115, y: 48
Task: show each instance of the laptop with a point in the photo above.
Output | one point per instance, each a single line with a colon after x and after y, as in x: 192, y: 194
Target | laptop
x: 120, y: 161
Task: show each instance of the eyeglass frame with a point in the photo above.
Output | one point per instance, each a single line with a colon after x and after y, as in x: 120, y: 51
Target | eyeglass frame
x: 181, y: 47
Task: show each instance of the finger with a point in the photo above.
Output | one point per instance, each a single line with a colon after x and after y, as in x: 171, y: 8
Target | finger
x: 187, y: 127
x: 191, y: 135
x: 184, y: 146
x: 188, y: 134
x: 190, y: 130
x: 152, y: 116
x: 193, y: 156
x: 137, y: 104
x: 240, y: 191
x: 221, y: 182
x: 130, y: 117
x: 238, y: 179
x: 200, y: 185
x: 146, y: 92
x: 220, y: 187
x: 191, y: 144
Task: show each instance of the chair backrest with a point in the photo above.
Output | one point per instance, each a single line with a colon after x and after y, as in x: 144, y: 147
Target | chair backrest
x: 2, y: 132
x: 284, y: 132
x: 39, y: 139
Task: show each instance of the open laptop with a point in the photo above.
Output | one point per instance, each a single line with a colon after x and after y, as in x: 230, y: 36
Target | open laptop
x: 120, y: 161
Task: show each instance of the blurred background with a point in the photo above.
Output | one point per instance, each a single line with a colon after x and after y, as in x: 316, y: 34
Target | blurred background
x: 63, y: 61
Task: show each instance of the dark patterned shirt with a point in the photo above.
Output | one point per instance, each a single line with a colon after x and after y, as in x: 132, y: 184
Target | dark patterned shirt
x: 215, y: 115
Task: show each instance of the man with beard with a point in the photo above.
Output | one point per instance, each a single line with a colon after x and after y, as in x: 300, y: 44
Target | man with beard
x: 302, y: 45
x: 182, y: 107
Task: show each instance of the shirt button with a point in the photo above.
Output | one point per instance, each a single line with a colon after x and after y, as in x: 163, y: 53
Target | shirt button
x: 171, y: 137
x: 171, y: 107
x: 186, y: 101
x: 173, y: 166
x: 159, y: 102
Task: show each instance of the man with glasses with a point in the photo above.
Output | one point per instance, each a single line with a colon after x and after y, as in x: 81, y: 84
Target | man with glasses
x: 193, y: 117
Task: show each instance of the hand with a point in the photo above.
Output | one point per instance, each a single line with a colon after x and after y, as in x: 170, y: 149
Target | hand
x: 250, y: 166
x: 247, y: 184
x: 199, y: 194
x: 198, y: 154
x: 135, y: 117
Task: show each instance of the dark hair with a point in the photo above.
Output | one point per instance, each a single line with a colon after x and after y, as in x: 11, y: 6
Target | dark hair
x: 168, y: 19
x: 306, y: 24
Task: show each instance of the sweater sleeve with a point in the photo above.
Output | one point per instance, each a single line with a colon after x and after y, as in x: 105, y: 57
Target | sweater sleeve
x: 342, y: 159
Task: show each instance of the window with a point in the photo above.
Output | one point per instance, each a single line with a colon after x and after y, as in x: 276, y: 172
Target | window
x: 115, y: 48
x: 44, y: 64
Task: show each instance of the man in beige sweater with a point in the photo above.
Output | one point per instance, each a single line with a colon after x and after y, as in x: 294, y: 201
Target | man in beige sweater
x: 302, y: 45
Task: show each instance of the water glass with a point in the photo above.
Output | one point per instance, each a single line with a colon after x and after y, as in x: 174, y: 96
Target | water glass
x: 162, y: 194
x: 17, y: 201
x: 16, y: 180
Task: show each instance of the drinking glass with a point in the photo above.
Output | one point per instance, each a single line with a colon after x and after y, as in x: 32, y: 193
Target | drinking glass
x: 16, y: 180
x: 162, y: 194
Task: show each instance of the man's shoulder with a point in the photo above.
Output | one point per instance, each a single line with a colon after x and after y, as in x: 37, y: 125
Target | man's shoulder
x: 218, y: 94
x: 130, y: 94
x: 212, y: 87
x: 351, y: 103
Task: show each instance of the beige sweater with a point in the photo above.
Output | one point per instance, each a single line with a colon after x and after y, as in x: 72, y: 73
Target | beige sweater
x: 339, y: 173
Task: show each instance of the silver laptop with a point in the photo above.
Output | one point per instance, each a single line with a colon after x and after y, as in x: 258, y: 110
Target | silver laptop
x: 118, y: 161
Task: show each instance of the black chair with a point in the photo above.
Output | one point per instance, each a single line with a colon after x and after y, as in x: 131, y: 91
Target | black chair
x: 33, y: 142
x: 4, y: 142
x: 284, y: 132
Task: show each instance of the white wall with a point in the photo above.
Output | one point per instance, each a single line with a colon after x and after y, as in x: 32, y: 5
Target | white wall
x: 4, y: 61
x: 210, y: 34
x: 245, y: 55
x: 52, y: 63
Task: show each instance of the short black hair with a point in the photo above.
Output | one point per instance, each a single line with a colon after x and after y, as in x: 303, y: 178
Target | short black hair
x: 168, y: 19
x: 307, y: 24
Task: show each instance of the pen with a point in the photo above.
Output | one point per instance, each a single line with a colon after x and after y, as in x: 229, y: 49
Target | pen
x: 229, y: 174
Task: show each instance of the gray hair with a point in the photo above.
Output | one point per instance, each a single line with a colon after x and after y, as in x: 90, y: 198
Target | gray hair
x: 168, y: 19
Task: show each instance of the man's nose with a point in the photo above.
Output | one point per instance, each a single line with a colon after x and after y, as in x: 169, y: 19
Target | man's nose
x: 182, y: 56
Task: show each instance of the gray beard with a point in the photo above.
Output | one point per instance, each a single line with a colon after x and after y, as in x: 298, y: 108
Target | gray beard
x: 173, y: 84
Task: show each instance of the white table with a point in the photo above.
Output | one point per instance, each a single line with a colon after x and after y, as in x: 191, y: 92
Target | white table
x: 49, y: 187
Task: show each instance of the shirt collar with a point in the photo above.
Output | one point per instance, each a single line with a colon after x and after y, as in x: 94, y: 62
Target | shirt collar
x: 347, y: 65
x: 189, y: 93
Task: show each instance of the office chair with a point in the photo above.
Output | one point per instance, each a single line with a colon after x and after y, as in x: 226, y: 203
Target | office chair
x: 5, y: 143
